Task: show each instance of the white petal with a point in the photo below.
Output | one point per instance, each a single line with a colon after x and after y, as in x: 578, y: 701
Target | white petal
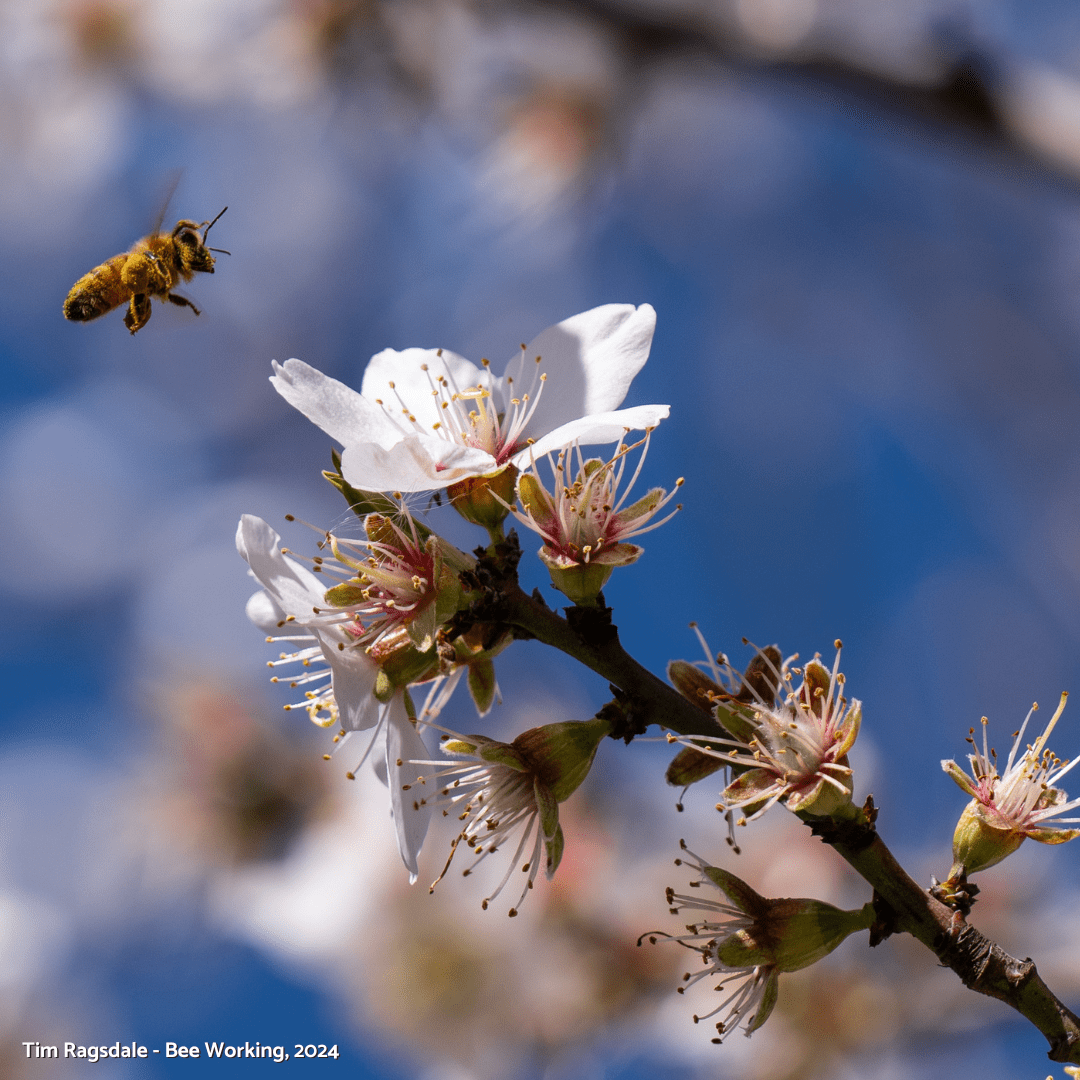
x: 339, y: 410
x: 413, y: 385
x: 294, y: 589
x: 593, y: 430
x: 411, y: 813
x: 416, y: 463
x: 264, y: 613
x: 589, y: 359
x: 353, y: 674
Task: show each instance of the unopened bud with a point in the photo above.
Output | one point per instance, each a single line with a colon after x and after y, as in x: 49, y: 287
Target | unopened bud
x: 485, y: 500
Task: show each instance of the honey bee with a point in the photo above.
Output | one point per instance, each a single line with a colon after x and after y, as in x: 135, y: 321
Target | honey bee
x: 155, y: 265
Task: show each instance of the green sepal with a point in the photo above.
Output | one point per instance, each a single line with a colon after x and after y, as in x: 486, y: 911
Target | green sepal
x: 579, y: 582
x: 960, y: 777
x: 537, y: 502
x: 752, y: 786
x: 561, y: 754
x: 741, y: 895
x: 977, y: 844
x: 768, y: 1002
x: 694, y: 684
x: 646, y: 505
x: 503, y: 754
x: 691, y: 765
x: 482, y: 685
x: 485, y: 500
x: 548, y: 807
x: 815, y: 688
x: 849, y: 730
x: 736, y: 720
x: 824, y: 798
x: 409, y: 665
x: 554, y: 850
x: 1053, y: 836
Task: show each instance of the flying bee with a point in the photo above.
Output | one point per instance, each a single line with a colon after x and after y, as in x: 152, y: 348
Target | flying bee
x: 153, y: 267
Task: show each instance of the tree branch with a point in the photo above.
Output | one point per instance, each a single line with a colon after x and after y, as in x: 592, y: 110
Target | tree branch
x: 590, y: 637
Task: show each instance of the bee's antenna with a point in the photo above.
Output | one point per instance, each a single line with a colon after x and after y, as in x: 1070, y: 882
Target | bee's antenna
x: 222, y: 250
x: 210, y: 226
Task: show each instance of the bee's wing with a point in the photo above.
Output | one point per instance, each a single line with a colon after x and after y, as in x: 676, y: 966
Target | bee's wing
x: 170, y: 191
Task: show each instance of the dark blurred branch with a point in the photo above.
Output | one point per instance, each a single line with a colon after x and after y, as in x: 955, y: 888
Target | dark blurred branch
x: 965, y: 104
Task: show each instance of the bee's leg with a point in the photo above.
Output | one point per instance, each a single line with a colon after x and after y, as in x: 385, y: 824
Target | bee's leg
x: 181, y: 301
x: 138, y: 314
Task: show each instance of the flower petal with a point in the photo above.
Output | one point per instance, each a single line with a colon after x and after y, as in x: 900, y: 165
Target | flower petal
x: 409, y: 376
x: 404, y: 748
x: 415, y: 463
x: 590, y: 360
x: 264, y: 612
x: 293, y: 588
x: 353, y: 674
x: 768, y: 1002
x: 960, y: 777
x: 591, y: 430
x: 339, y: 410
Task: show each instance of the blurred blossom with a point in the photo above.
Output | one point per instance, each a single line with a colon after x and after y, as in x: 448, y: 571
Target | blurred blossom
x: 51, y: 105
x: 233, y: 790
x: 477, y: 65
x: 542, y: 155
x: 777, y: 25
x: 1042, y: 106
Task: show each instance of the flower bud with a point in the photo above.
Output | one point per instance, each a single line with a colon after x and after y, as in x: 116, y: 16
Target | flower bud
x: 484, y: 500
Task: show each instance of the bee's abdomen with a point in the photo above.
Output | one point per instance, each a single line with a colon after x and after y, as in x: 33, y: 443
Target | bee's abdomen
x: 97, y: 292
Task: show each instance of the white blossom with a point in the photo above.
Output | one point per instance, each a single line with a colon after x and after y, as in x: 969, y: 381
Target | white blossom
x: 427, y: 418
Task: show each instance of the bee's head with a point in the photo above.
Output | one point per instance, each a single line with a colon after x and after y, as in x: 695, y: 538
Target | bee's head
x: 191, y: 248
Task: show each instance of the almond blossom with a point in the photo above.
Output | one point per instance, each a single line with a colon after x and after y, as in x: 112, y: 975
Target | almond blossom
x: 747, y: 940
x: 1008, y: 807
x: 585, y: 522
x: 426, y: 419
x: 339, y: 681
x: 791, y: 750
x: 340, y: 676
x: 500, y: 790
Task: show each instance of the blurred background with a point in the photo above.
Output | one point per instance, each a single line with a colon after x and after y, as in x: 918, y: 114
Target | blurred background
x: 859, y: 222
